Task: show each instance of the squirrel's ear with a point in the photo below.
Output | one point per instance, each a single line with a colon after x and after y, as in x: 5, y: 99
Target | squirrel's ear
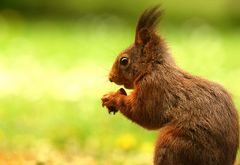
x: 143, y: 37
x: 147, y: 24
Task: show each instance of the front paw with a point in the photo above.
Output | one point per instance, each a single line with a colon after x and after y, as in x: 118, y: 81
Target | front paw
x: 110, y: 101
x: 112, y: 109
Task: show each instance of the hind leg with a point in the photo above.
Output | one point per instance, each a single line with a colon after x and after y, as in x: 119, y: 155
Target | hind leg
x: 164, y: 156
x: 181, y: 151
x: 160, y: 156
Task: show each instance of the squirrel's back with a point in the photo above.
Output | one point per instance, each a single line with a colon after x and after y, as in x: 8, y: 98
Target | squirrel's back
x: 202, y: 119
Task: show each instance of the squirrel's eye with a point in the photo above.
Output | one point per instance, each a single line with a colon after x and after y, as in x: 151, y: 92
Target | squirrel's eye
x: 124, y: 61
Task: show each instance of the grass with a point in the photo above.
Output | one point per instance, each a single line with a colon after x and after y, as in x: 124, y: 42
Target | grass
x: 53, y: 74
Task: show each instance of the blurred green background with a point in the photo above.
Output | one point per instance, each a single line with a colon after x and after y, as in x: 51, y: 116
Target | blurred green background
x: 54, y: 61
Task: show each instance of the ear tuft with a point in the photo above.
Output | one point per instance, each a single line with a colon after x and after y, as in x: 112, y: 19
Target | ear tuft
x: 143, y: 36
x: 147, y: 24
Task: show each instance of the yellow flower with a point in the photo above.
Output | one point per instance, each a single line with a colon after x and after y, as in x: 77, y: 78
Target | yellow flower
x: 126, y: 141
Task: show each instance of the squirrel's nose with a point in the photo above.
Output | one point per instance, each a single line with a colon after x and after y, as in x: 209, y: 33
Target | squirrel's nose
x: 110, y: 79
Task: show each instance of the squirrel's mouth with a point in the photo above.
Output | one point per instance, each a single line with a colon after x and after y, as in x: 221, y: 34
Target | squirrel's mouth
x: 128, y: 86
x: 125, y: 83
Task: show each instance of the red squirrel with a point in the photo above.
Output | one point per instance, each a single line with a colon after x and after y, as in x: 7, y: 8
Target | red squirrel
x: 197, y: 119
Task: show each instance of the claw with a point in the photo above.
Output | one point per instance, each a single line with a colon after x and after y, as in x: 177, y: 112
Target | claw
x: 112, y: 109
x: 104, y: 100
x: 107, y: 100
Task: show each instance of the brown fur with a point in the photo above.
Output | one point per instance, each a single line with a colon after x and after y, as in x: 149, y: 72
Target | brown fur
x: 197, y: 119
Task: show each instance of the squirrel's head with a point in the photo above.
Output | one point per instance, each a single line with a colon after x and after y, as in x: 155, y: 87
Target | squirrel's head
x: 147, y: 50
